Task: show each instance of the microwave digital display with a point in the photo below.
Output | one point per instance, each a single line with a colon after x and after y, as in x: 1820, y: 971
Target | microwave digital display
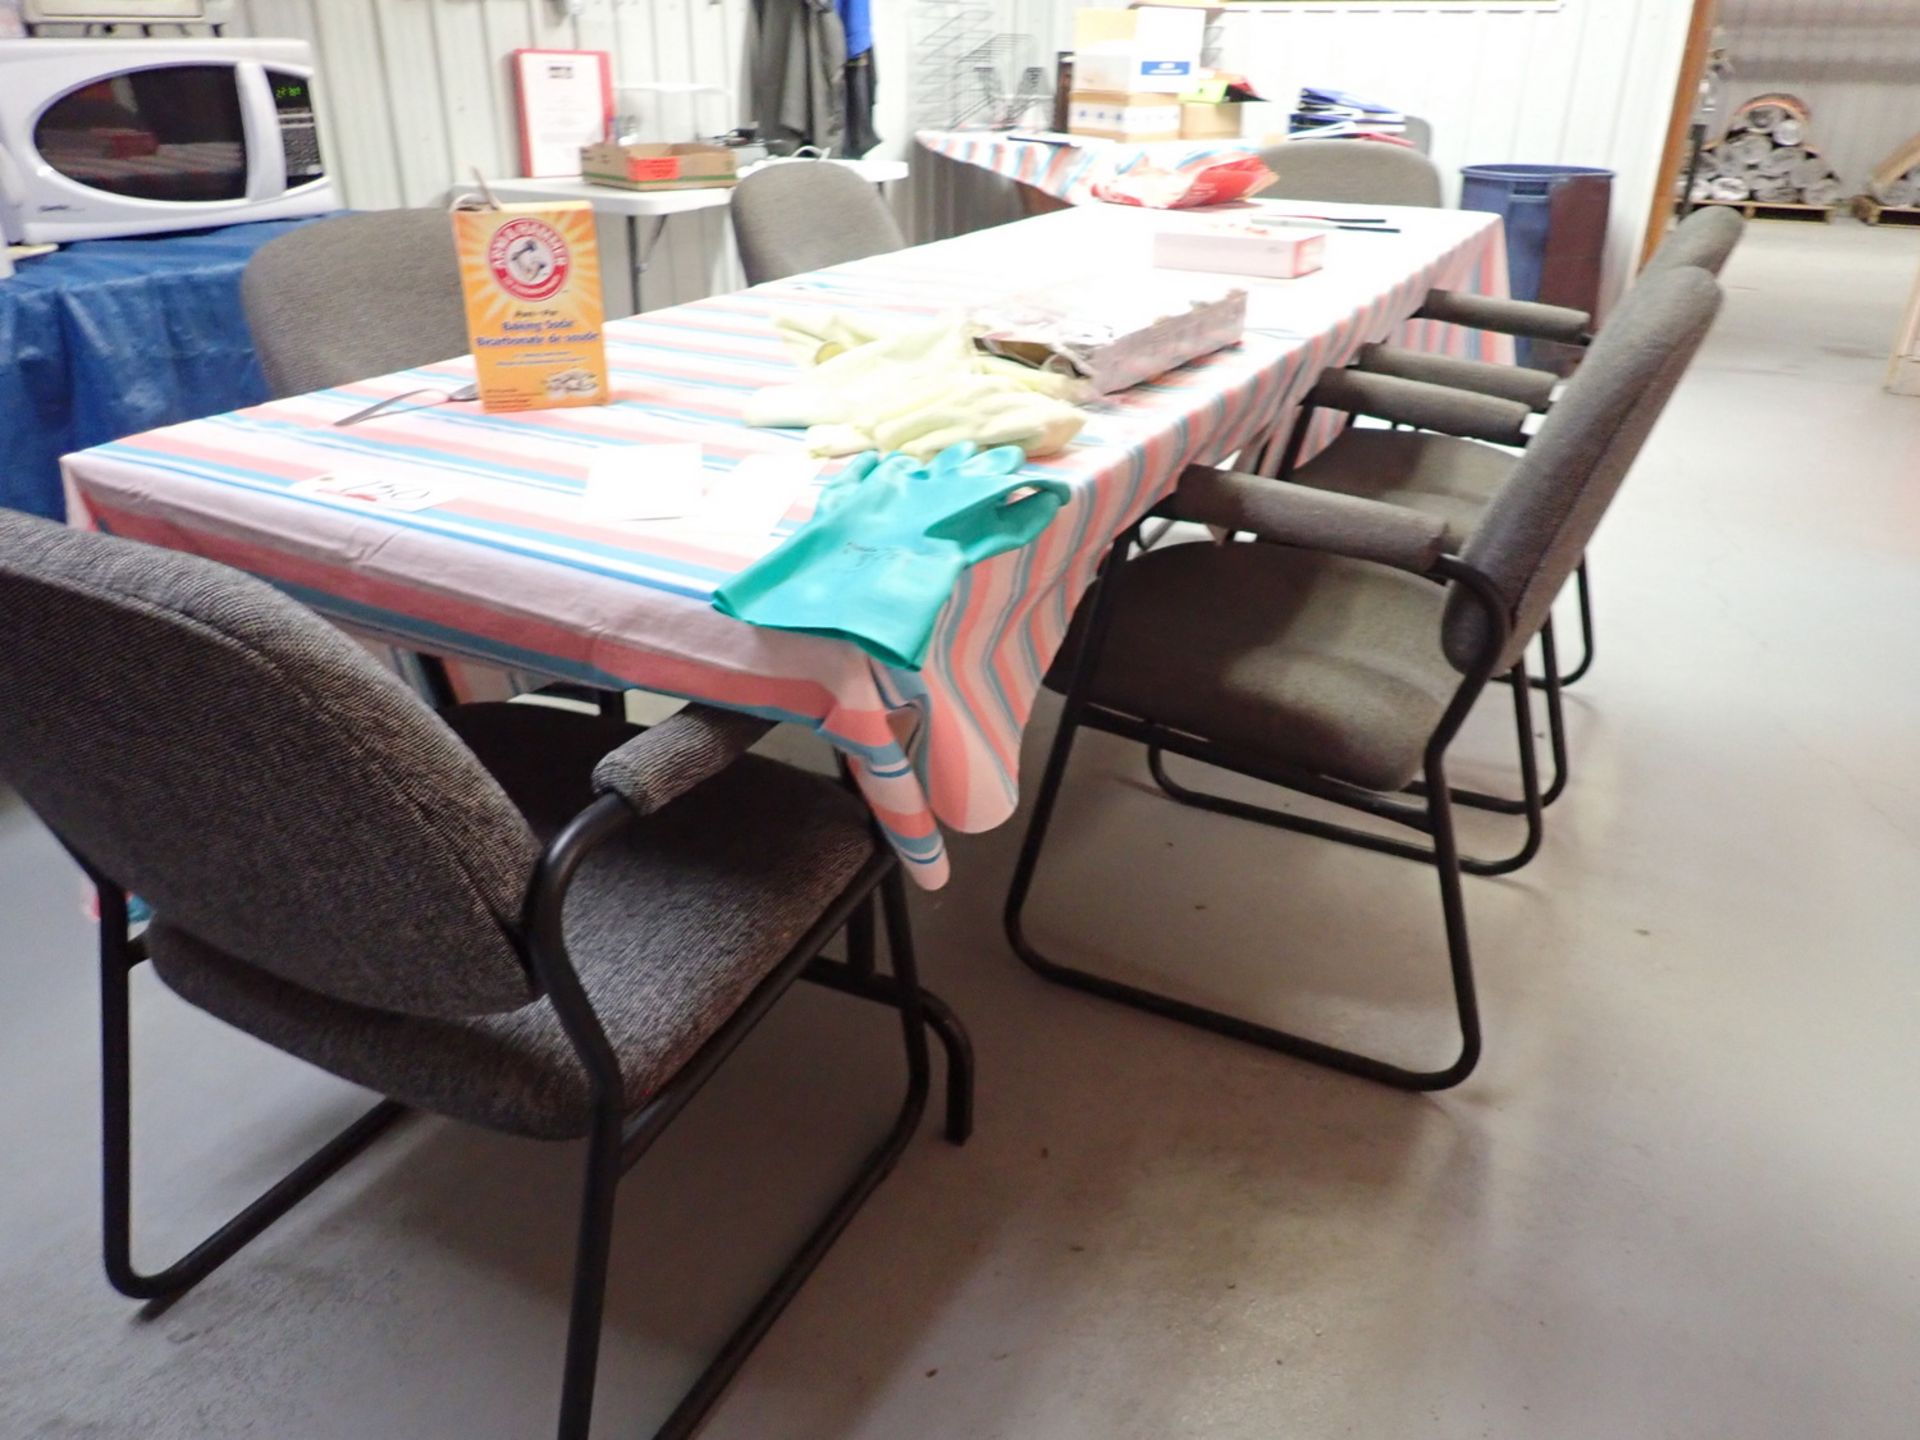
x: 299, y: 130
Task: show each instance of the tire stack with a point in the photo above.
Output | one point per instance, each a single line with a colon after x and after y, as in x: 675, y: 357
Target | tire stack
x: 1764, y: 160
x: 1893, y: 190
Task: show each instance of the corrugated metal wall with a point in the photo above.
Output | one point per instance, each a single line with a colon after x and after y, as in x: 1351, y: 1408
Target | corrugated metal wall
x: 1856, y: 62
x: 416, y: 93
x: 1588, y: 83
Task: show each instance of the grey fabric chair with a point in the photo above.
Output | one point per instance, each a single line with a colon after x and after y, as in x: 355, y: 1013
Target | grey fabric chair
x: 1704, y: 240
x: 1340, y: 659
x: 1362, y: 172
x: 800, y: 216
x: 353, y: 296
x: 538, y: 921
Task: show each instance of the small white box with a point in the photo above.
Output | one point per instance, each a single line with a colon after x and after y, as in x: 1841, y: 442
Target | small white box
x: 1231, y: 249
x: 1151, y: 48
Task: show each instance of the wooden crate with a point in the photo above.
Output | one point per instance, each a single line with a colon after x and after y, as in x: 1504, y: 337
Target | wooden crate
x: 1761, y: 210
x: 1874, y: 213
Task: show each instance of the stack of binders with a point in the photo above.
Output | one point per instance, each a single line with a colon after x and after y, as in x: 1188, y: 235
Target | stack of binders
x: 1335, y: 114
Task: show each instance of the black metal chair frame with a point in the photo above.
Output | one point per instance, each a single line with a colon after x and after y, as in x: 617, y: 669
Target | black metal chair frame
x: 616, y: 1139
x: 1433, y: 817
x: 1530, y: 805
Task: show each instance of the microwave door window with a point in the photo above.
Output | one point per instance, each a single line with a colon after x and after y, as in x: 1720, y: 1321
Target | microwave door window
x: 170, y: 133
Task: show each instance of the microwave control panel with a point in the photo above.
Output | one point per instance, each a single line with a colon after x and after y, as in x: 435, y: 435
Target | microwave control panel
x: 299, y: 130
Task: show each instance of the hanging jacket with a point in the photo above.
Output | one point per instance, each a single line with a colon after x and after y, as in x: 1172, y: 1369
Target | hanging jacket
x: 861, y: 136
x: 856, y: 18
x: 798, y: 64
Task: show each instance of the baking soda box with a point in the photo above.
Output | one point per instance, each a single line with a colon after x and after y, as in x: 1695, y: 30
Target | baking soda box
x: 531, y: 274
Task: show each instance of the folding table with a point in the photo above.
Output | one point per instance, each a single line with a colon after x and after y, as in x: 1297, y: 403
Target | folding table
x: 511, y: 569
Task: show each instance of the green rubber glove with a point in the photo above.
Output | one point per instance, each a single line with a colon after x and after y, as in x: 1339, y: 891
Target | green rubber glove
x: 888, y: 542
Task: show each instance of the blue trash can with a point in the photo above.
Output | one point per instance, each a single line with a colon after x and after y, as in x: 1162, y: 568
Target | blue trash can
x: 1556, y: 217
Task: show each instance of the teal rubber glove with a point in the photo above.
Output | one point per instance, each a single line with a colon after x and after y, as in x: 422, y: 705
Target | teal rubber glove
x: 889, y: 541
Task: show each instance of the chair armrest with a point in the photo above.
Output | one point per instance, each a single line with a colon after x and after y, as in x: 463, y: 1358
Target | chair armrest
x: 1427, y: 407
x: 1526, y: 318
x: 659, y: 765
x: 1289, y: 514
x: 651, y: 770
x: 1532, y: 388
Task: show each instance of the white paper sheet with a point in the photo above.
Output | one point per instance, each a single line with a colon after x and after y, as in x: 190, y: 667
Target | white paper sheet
x: 566, y: 101
x: 644, y: 482
x: 384, y: 485
x: 751, y: 498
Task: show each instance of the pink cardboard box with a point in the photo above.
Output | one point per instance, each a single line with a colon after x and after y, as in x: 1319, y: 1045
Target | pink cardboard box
x: 1234, y: 248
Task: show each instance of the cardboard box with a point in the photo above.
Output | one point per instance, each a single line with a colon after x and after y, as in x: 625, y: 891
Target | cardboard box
x: 531, y: 278
x: 1234, y: 248
x: 1210, y: 122
x: 1123, y: 117
x: 1142, y: 50
x: 1115, y: 338
x: 658, y: 167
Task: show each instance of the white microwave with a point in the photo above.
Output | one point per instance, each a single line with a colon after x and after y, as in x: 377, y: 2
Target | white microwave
x: 133, y: 137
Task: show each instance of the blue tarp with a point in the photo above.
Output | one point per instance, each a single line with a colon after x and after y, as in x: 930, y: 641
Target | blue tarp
x: 106, y: 338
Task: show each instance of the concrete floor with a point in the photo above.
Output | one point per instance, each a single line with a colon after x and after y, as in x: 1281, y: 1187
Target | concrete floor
x: 1681, y: 1197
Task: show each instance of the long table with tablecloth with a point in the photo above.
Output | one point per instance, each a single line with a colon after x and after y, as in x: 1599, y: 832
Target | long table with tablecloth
x: 511, y: 568
x: 1068, y: 171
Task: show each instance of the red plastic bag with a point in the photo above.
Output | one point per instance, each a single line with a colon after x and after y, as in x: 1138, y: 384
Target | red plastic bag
x: 1210, y: 182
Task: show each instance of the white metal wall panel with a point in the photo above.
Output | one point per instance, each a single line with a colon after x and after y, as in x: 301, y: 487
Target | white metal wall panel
x: 416, y: 94
x: 1856, y: 62
x: 418, y: 91
x: 1589, y: 83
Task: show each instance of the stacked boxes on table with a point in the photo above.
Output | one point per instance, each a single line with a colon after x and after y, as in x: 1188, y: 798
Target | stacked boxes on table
x: 1216, y: 120
x: 1129, y: 69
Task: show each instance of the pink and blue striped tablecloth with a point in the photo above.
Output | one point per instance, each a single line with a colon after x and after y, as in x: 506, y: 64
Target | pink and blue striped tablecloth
x: 512, y: 570
x: 1069, y: 172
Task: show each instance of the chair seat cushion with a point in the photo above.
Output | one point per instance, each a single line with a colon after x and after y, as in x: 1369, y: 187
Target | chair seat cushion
x: 671, y: 927
x: 1286, y: 658
x: 1452, y: 479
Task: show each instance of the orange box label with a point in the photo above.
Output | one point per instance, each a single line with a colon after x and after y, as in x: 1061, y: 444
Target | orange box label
x: 531, y: 277
x: 665, y: 167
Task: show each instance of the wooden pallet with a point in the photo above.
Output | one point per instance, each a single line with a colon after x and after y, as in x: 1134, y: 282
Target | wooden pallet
x: 1761, y: 210
x: 1874, y: 213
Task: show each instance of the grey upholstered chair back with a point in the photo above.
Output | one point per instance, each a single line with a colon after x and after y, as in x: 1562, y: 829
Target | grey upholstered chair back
x: 1703, y: 240
x: 1361, y: 172
x: 224, y: 753
x: 803, y: 215
x: 1537, y: 528
x: 353, y: 296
